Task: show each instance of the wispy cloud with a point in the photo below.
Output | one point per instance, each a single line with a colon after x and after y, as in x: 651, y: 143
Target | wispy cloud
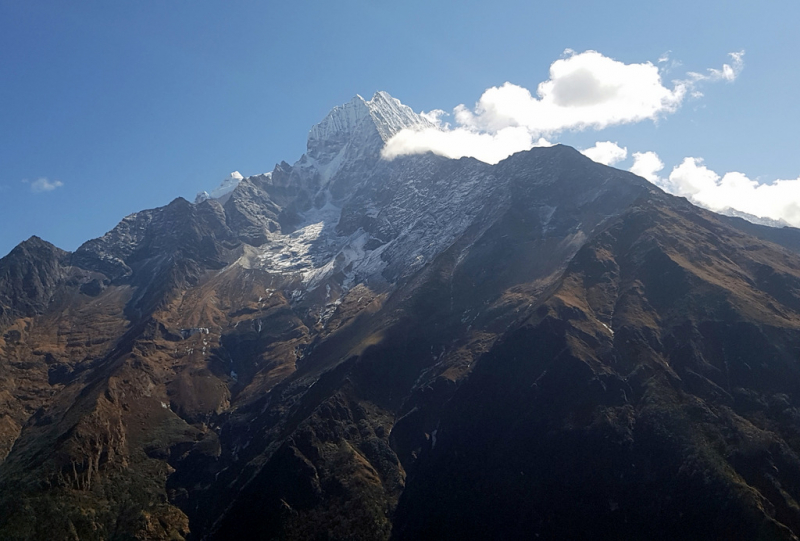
x: 43, y: 184
x: 585, y: 91
x: 728, y: 73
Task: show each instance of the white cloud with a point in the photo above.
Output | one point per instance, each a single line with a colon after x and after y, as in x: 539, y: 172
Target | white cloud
x: 778, y: 200
x: 44, y: 185
x: 606, y: 152
x: 584, y: 91
x: 434, y: 116
x: 647, y: 165
x: 729, y: 72
x: 691, y: 178
x: 459, y: 142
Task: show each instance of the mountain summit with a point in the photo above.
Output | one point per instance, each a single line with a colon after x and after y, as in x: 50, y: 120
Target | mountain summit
x: 422, y: 348
x: 350, y: 133
x: 357, y: 122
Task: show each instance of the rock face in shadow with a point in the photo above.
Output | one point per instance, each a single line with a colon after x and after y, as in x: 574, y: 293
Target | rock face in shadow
x: 349, y: 348
x: 649, y: 396
x: 29, y: 278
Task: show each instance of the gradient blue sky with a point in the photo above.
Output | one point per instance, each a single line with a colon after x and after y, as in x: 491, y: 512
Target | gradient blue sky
x: 130, y: 104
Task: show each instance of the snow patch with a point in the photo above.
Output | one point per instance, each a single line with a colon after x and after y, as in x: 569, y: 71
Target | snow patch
x: 188, y: 333
x: 227, y: 186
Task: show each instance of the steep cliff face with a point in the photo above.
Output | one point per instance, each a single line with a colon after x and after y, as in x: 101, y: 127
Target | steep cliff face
x: 350, y: 348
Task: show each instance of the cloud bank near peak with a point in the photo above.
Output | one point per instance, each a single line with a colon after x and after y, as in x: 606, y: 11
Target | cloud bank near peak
x: 606, y: 152
x: 585, y: 91
x: 778, y: 200
x: 647, y: 165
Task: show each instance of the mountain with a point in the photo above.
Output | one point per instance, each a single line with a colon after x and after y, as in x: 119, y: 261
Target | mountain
x: 423, y: 348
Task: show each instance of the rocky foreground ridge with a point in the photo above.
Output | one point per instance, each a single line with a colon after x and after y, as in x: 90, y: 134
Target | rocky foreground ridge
x: 423, y: 348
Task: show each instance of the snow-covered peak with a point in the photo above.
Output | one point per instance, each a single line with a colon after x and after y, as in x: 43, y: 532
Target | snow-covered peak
x: 350, y: 137
x: 357, y: 129
x: 390, y: 115
x: 760, y: 220
x: 342, y: 121
x: 382, y: 116
x: 227, y: 186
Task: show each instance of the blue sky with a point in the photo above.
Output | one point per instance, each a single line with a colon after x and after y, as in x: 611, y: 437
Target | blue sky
x: 126, y: 105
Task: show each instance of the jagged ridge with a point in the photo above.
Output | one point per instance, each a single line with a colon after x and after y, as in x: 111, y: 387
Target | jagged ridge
x: 423, y: 348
